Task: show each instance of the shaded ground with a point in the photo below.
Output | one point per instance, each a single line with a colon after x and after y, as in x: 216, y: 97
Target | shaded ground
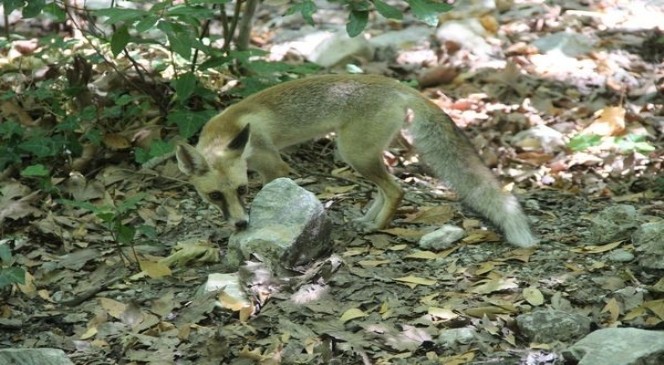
x: 379, y: 299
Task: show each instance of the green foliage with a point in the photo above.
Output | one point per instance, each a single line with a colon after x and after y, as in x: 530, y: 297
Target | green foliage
x: 626, y: 144
x: 41, y: 150
x: 584, y: 141
x: 113, y: 216
x: 633, y: 142
x: 9, y: 274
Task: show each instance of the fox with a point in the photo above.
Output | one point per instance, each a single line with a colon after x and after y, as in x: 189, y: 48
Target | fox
x: 365, y: 112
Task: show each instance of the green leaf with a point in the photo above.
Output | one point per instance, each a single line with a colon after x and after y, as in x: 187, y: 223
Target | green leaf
x: 196, y: 12
x: 5, y: 253
x: 119, y: 40
x: 40, y: 147
x: 214, y: 2
x: 131, y: 203
x: 55, y: 11
x: 125, y: 234
x: 428, y: 10
x: 147, y: 23
x: 357, y: 21
x: 181, y: 43
x: 33, y: 8
x: 160, y: 148
x: 387, y: 11
x: 9, y: 128
x: 583, y: 141
x: 37, y: 170
x: 184, y: 86
x: 188, y: 122
x: 11, y: 275
x: 149, y: 231
x: 11, y: 5
x: 117, y: 15
x: 306, y: 8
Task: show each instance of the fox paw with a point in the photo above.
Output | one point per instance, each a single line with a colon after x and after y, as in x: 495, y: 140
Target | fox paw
x: 365, y: 225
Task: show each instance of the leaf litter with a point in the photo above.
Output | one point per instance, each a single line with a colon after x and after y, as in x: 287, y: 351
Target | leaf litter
x: 382, y: 298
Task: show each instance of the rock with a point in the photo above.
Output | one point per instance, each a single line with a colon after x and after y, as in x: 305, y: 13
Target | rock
x: 618, y: 346
x: 566, y: 43
x: 231, y: 286
x: 550, y: 325
x: 620, y: 255
x: 442, y: 238
x: 649, y: 242
x: 287, y: 227
x: 35, y: 356
x: 613, y: 223
x: 338, y: 48
x: 401, y: 39
x: 456, y: 336
x: 540, y: 137
x: 467, y: 33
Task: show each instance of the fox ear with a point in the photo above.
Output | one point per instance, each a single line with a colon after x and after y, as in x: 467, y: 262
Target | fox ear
x: 190, y: 161
x: 240, y: 141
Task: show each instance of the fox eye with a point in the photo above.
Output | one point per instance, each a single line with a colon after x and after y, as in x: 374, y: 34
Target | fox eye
x: 216, y: 196
x: 242, y: 190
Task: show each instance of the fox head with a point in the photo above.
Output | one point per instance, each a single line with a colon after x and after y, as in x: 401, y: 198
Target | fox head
x: 219, y: 174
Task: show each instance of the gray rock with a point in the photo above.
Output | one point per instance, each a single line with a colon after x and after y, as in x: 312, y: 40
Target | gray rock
x: 620, y: 255
x: 649, y: 243
x: 549, y: 325
x: 618, y: 346
x: 456, y: 336
x: 567, y: 43
x: 613, y: 223
x: 442, y: 238
x: 287, y: 226
x: 35, y: 356
x: 339, y: 48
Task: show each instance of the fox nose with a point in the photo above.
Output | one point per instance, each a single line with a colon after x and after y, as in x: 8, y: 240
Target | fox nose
x: 240, y: 225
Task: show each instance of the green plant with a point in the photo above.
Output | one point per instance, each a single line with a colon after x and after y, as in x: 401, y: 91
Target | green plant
x: 626, y: 144
x: 9, y: 274
x: 114, y: 219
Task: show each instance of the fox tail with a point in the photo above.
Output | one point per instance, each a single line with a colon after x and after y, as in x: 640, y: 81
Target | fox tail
x: 451, y: 156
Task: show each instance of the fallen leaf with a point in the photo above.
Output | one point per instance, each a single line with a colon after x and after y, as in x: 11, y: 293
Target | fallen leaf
x: 494, y: 285
x: 613, y: 308
x: 533, y: 296
x: 414, y: 281
x: 442, y: 313
x: 422, y: 255
x: 154, y: 269
x: 373, y: 263
x: 597, y: 249
x: 610, y: 121
x: 351, y: 314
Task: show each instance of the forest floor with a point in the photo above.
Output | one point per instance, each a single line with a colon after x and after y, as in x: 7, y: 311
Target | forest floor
x: 575, y: 134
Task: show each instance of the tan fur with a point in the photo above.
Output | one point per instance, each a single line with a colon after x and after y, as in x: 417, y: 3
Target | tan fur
x: 365, y: 112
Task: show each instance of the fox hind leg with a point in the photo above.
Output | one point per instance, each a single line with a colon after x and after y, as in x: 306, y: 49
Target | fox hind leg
x: 367, y: 161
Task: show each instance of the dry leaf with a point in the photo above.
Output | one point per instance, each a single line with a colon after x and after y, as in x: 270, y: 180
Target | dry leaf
x: 116, y: 141
x: 494, y: 285
x: 597, y: 249
x: 533, y: 296
x: 422, y: 255
x: 656, y: 306
x: 351, y: 314
x: 437, y: 215
x: 613, y: 308
x: 373, y: 263
x: 155, y: 270
x: 442, y: 313
x: 610, y: 122
x: 113, y: 307
x: 414, y: 281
